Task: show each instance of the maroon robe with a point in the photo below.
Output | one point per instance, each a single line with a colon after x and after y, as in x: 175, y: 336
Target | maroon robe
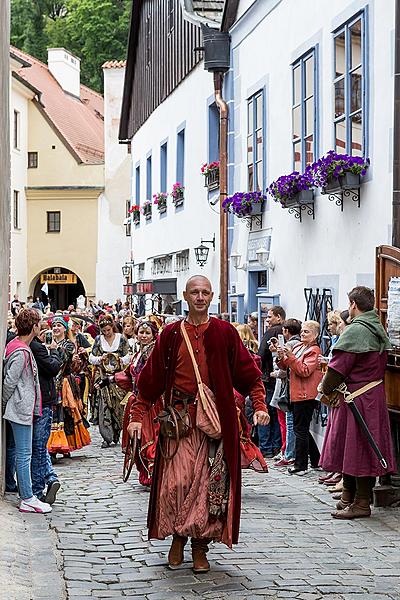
x: 230, y: 366
x: 346, y: 448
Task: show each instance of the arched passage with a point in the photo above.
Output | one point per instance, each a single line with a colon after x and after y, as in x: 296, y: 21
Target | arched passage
x: 64, y: 287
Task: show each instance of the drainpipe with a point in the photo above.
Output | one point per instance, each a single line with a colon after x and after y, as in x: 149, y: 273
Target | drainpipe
x: 396, y: 133
x: 223, y: 188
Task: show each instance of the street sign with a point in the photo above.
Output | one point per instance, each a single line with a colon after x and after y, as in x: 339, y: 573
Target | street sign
x: 58, y: 278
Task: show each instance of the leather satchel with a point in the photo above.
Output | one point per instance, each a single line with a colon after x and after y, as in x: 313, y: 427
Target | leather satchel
x: 207, y: 417
x: 174, y: 425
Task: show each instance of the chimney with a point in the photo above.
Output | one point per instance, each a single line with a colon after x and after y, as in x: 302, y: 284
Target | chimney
x: 66, y: 69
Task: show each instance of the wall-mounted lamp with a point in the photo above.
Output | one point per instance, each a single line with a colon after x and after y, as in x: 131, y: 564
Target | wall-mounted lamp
x: 236, y: 258
x: 126, y: 270
x: 201, y: 252
x: 263, y: 257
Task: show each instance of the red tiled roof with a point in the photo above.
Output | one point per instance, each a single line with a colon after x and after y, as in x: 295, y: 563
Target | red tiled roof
x: 79, y: 121
x: 114, y: 64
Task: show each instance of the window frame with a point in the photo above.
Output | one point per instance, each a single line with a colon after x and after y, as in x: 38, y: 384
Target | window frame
x: 16, y: 210
x: 137, y: 184
x: 180, y: 155
x: 252, y: 101
x: 164, y: 167
x: 53, y: 212
x: 34, y: 163
x: 17, y: 130
x: 149, y: 177
x: 347, y: 115
x: 304, y: 97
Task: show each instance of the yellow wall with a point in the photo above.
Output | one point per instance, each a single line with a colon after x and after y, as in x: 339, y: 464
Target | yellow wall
x: 75, y: 247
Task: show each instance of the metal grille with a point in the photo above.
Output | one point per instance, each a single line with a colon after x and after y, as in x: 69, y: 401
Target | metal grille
x: 318, y: 305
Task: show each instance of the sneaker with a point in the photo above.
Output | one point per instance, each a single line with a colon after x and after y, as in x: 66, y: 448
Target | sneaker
x: 284, y: 463
x: 33, y: 505
x: 52, y: 490
x: 296, y: 471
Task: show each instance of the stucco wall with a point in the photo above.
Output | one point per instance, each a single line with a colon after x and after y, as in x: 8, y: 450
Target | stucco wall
x: 4, y: 190
x: 113, y: 244
x: 180, y: 228
x: 337, y: 249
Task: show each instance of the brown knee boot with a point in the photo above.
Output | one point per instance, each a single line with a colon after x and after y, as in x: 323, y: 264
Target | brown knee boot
x: 199, y: 555
x: 360, y: 507
x: 175, y: 555
x: 346, y: 499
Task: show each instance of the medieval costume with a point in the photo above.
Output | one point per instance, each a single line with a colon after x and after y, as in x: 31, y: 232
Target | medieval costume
x: 68, y: 432
x: 189, y: 497
x: 250, y: 455
x: 108, y: 360
x: 127, y: 380
x: 359, y: 358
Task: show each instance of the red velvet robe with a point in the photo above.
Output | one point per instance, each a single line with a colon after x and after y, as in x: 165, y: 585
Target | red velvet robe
x: 230, y: 366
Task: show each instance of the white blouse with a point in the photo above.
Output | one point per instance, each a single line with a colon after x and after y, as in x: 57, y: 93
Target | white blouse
x: 106, y: 347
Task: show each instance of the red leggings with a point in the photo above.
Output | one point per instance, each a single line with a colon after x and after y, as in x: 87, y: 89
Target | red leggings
x: 282, y: 425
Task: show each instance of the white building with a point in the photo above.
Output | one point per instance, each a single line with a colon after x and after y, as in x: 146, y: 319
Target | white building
x: 171, y: 118
x: 113, y: 239
x: 315, y: 74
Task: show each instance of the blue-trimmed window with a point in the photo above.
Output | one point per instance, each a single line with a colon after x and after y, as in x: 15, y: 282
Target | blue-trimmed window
x: 213, y: 133
x: 137, y: 185
x: 180, y: 157
x: 163, y: 166
x: 304, y: 110
x: 255, y: 142
x: 350, y: 89
x: 148, y: 178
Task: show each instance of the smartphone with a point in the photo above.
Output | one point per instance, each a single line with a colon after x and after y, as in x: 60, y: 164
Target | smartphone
x: 281, y: 340
x: 48, y: 338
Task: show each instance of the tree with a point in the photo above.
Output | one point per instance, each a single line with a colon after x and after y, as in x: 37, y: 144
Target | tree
x: 93, y: 30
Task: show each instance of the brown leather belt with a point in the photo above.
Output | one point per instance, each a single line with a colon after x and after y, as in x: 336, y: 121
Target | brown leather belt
x: 179, y: 397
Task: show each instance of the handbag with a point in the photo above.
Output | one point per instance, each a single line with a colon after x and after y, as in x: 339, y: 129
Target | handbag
x: 207, y: 417
x: 174, y: 425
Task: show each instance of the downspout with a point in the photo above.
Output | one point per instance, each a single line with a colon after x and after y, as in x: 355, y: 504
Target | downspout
x: 223, y: 188
x: 396, y: 134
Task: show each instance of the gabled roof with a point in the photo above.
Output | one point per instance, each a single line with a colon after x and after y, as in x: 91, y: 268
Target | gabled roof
x: 77, y: 121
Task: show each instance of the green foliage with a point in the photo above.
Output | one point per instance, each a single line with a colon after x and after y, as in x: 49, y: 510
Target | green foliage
x: 93, y: 30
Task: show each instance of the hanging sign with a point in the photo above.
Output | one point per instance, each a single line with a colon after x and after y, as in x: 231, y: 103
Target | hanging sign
x: 58, y: 278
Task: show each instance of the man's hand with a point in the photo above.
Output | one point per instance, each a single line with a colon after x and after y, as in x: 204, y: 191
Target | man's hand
x: 132, y: 427
x: 261, y: 417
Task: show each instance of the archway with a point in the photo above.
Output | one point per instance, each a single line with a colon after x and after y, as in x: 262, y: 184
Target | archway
x: 64, y: 287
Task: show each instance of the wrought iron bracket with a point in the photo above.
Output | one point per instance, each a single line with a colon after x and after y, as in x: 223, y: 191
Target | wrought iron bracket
x: 337, y: 198
x: 253, y: 221
x: 300, y: 208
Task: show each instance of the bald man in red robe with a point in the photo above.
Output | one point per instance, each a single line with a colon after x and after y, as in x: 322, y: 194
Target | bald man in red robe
x: 189, y: 497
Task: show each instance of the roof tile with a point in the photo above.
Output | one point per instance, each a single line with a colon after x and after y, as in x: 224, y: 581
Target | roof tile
x: 114, y: 64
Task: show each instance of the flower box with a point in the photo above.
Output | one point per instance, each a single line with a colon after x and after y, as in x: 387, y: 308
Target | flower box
x: 244, y: 204
x: 160, y: 200
x: 212, y: 179
x: 347, y: 181
x: 177, y: 194
x: 147, y: 211
x: 136, y: 218
x: 302, y: 197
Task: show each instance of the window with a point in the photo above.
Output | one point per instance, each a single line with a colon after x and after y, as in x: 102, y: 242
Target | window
x: 128, y: 226
x: 350, y: 87
x: 163, y: 167
x: 255, y: 142
x: 148, y: 178
x: 304, y: 111
x: 16, y: 129
x: 137, y: 185
x: 16, y: 210
x: 213, y: 133
x: 129, y: 147
x: 32, y: 160
x: 180, y: 157
x: 54, y: 222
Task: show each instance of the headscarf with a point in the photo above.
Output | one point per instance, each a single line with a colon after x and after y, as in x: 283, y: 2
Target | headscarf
x: 63, y: 319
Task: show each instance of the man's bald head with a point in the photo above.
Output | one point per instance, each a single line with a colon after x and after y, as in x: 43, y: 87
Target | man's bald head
x: 196, y: 280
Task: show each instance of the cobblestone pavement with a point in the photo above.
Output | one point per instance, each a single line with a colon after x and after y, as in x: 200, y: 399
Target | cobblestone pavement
x: 289, y: 547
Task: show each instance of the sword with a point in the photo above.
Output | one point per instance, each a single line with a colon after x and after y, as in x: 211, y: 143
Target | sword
x: 364, y: 427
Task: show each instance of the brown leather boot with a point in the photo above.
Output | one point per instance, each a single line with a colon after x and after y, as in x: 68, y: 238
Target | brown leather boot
x: 358, y: 510
x: 346, y: 499
x: 199, y: 555
x: 175, y: 555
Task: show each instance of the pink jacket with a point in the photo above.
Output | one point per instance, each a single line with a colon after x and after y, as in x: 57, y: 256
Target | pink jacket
x: 305, y: 374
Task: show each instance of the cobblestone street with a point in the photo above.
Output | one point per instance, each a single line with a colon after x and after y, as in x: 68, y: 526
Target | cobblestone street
x: 289, y: 548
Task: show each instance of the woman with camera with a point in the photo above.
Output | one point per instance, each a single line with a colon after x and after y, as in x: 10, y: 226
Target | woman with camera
x: 305, y: 375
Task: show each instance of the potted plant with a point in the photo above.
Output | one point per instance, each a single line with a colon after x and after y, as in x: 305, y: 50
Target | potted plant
x: 177, y: 194
x: 293, y: 190
x: 336, y: 172
x: 244, y: 204
x: 211, y: 175
x: 160, y: 200
x: 147, y: 209
x: 135, y: 212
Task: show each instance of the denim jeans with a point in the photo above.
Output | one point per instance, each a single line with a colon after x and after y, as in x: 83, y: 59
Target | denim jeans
x: 10, y: 458
x: 290, y: 438
x: 41, y: 468
x: 270, y: 435
x: 23, y: 447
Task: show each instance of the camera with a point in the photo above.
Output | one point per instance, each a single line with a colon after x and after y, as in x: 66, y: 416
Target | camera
x: 48, y: 337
